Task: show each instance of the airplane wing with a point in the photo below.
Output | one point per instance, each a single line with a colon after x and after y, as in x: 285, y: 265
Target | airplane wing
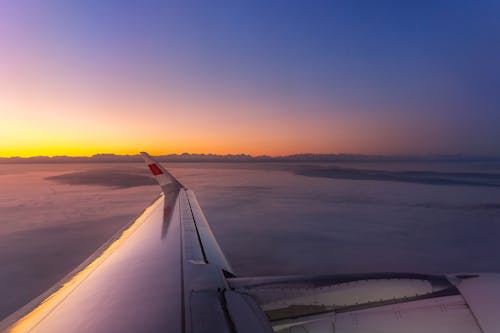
x: 165, y: 272
x: 382, y: 302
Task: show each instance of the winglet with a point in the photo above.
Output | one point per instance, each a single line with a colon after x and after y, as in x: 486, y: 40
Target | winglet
x: 167, y: 182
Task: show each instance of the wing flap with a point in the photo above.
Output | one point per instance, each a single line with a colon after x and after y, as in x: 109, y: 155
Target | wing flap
x: 437, y: 315
x: 211, y: 249
x: 482, y: 293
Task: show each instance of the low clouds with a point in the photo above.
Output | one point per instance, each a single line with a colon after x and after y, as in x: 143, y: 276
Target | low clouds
x: 419, y: 177
x: 54, y: 216
x: 104, y: 177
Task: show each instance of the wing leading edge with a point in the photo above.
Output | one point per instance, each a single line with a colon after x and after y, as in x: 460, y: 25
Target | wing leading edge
x: 131, y: 285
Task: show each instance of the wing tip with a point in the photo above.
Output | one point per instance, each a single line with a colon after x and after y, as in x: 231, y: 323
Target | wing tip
x: 144, y: 155
x: 164, y: 178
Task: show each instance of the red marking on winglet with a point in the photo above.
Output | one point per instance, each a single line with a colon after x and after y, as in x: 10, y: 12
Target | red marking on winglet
x: 155, y: 169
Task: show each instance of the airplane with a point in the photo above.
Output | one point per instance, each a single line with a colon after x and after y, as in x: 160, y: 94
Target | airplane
x: 165, y: 272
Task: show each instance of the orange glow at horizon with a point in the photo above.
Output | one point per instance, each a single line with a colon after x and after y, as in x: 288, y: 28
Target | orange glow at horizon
x: 127, y: 127
x: 46, y: 111
x: 231, y: 129
x: 51, y: 119
x: 96, y: 78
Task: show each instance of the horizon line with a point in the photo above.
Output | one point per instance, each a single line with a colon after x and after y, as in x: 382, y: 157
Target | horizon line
x: 249, y: 156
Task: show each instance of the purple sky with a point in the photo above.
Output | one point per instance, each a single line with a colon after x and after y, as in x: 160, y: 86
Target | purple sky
x: 258, y: 77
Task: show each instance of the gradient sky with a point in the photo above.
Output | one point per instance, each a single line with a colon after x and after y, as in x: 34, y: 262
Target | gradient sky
x: 256, y: 77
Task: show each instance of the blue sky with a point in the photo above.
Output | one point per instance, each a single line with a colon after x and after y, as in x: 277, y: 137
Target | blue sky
x: 344, y: 76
